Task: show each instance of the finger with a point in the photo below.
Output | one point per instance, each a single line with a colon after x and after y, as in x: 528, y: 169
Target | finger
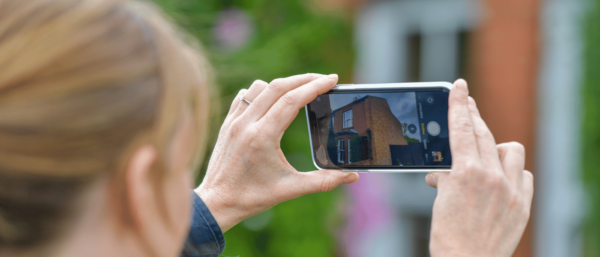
x: 253, y: 92
x: 275, y: 90
x: 528, y: 188
x: 236, y: 100
x: 281, y: 115
x: 434, y: 179
x: 303, y: 183
x: 512, y: 158
x: 234, y: 105
x: 463, y: 143
x: 485, y: 140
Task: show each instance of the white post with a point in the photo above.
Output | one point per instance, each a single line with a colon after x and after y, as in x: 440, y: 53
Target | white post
x: 559, y: 195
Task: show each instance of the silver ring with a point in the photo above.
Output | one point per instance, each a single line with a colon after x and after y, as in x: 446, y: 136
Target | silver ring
x: 244, y: 99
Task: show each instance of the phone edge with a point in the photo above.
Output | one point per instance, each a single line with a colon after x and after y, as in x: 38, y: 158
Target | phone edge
x: 345, y: 87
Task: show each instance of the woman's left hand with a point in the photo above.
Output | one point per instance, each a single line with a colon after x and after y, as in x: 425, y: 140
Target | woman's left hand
x: 248, y: 173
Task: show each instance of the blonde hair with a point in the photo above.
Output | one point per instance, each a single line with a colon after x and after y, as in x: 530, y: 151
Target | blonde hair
x: 82, y: 84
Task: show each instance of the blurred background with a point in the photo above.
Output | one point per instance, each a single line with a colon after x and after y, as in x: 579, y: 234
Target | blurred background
x: 533, y: 67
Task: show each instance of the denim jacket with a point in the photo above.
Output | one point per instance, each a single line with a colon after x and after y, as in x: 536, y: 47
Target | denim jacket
x: 205, y: 238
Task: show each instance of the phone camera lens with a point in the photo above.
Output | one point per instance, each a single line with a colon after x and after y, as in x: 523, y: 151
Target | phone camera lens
x: 430, y: 100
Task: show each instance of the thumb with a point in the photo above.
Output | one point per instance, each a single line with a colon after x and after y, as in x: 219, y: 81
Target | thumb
x: 434, y: 179
x: 321, y: 181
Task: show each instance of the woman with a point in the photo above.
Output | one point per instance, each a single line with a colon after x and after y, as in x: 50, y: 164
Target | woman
x: 103, y: 109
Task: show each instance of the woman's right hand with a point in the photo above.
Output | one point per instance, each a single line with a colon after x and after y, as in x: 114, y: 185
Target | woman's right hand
x: 247, y: 172
x: 483, y: 205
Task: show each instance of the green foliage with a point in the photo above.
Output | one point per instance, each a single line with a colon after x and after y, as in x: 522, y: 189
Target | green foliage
x: 591, y: 128
x: 289, y: 38
x: 411, y: 140
x: 332, y: 147
x: 356, y: 149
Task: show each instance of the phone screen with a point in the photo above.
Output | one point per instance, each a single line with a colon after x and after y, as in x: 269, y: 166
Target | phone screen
x: 396, y: 129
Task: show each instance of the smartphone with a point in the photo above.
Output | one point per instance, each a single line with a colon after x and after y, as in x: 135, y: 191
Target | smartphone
x: 398, y: 127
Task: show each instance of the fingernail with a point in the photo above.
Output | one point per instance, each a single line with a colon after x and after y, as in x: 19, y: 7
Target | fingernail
x: 464, y: 82
x: 332, y: 75
x: 431, y: 179
x: 351, y: 178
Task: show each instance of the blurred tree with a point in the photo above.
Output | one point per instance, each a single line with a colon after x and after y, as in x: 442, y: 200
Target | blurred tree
x: 591, y: 128
x: 247, y: 40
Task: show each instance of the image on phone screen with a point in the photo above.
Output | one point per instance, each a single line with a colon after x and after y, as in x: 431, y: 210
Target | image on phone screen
x: 370, y: 130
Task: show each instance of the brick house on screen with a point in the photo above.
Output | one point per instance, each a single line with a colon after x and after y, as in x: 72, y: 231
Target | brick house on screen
x: 367, y: 132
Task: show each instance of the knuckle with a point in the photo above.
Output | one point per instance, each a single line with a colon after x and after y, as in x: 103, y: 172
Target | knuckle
x: 254, y: 143
x: 501, y: 146
x: 242, y: 92
x: 312, y: 76
x: 257, y: 83
x: 516, y: 202
x: 276, y: 85
x: 236, y: 127
x: 459, y: 100
x: 327, y: 184
x: 289, y: 99
x: 482, y: 132
x: 516, y: 147
x: 472, y: 167
x: 276, y: 81
x: 497, y: 183
x: 464, y: 125
x: 502, y: 149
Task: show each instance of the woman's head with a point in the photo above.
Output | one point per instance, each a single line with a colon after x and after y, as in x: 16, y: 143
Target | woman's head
x: 97, y: 95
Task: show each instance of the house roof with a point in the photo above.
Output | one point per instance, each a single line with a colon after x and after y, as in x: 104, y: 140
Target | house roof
x: 347, y: 132
x: 362, y: 99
